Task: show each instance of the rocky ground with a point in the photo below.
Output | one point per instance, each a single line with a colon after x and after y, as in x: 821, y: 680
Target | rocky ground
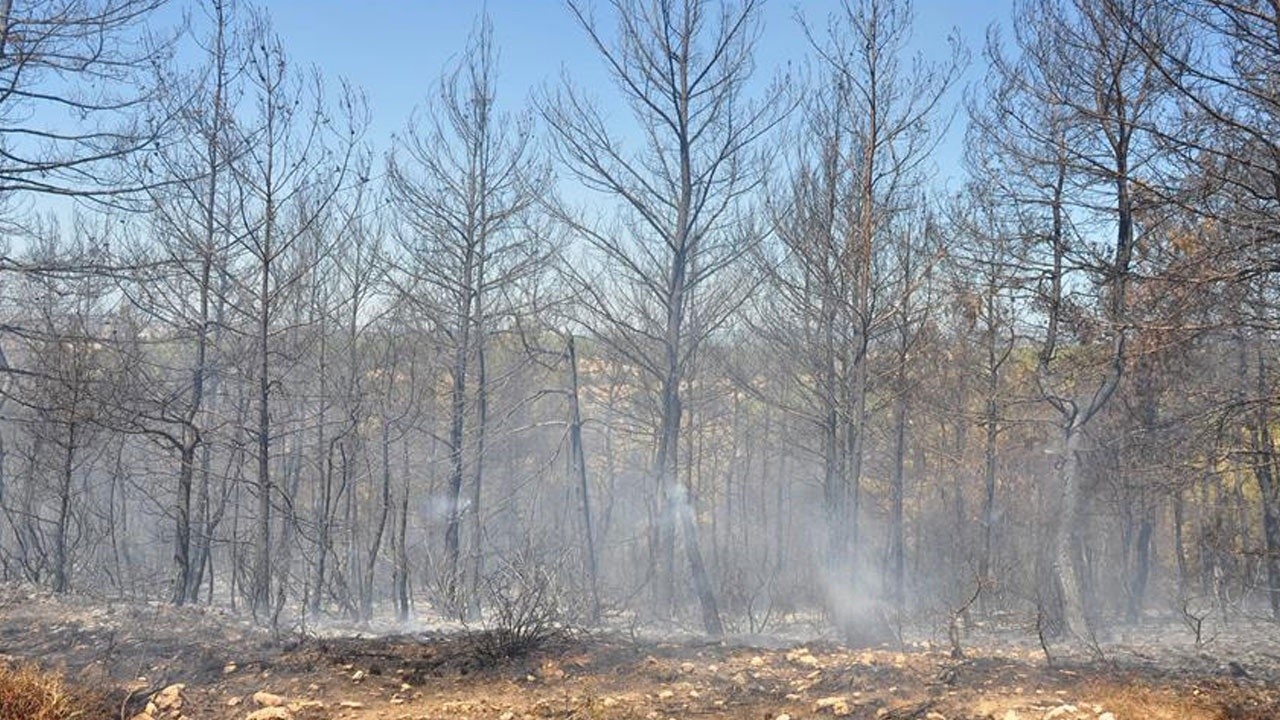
x: 159, y: 662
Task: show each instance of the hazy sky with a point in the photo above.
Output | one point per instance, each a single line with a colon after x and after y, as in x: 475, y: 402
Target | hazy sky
x: 395, y: 49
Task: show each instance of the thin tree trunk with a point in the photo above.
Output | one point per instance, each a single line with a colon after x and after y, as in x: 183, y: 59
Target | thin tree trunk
x: 289, y: 526
x: 702, y: 583
x: 896, y: 490
x: 204, y: 537
x: 855, y: 446
x: 989, y: 457
x: 380, y: 525
x: 61, y: 576
x: 1142, y: 569
x: 324, y: 469
x: 579, y: 465
x: 476, y: 571
x: 182, y: 532
x: 208, y: 523
x: 401, y: 579
x: 261, y: 598
x: 1179, y: 542
x: 457, y: 425
x: 835, y: 488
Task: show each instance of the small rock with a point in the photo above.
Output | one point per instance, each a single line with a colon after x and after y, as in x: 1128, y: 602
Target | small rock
x: 1061, y: 711
x: 266, y: 699
x: 228, y: 668
x: 508, y: 715
x: 935, y: 716
x: 142, y: 716
x: 233, y: 702
x: 838, y: 706
x: 269, y: 713
x: 686, y: 667
x: 608, y: 702
x: 783, y: 716
x: 666, y: 695
x: 1106, y: 716
x: 351, y: 704
x: 169, y: 699
x: 1011, y: 715
x: 803, y: 656
x: 757, y: 661
x: 357, y: 676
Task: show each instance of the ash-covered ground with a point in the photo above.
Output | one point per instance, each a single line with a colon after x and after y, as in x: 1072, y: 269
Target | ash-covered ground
x: 158, y: 661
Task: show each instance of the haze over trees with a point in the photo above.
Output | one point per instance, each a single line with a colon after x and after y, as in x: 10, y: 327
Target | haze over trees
x: 710, y: 348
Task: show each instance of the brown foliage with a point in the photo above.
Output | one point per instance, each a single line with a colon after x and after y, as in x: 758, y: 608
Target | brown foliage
x: 28, y: 693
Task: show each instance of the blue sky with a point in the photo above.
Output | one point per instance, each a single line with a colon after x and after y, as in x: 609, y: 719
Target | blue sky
x: 395, y: 49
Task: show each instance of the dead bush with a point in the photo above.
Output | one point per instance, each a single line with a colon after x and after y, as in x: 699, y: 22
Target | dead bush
x: 524, y: 609
x: 27, y: 693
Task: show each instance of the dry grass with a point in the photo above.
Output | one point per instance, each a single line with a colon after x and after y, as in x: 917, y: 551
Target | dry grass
x: 1135, y: 701
x: 27, y: 693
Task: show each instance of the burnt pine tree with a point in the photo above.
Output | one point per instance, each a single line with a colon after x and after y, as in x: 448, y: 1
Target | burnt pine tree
x: 463, y: 179
x: 681, y: 68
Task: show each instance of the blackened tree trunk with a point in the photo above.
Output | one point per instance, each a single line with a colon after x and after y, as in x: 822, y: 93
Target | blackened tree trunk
x: 578, y: 468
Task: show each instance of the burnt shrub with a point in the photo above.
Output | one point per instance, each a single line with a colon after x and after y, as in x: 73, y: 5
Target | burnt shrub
x: 525, y: 608
x: 28, y: 693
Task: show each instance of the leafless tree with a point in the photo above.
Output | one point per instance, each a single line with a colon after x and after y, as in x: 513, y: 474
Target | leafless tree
x: 294, y: 156
x: 180, y: 274
x: 866, y: 132
x: 463, y: 180
x: 682, y: 68
x: 984, y: 255
x: 64, y: 399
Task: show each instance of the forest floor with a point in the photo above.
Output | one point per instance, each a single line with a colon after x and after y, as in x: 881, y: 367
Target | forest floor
x: 156, y: 661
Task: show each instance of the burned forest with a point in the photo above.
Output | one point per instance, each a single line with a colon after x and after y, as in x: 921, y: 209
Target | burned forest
x: 746, y: 359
